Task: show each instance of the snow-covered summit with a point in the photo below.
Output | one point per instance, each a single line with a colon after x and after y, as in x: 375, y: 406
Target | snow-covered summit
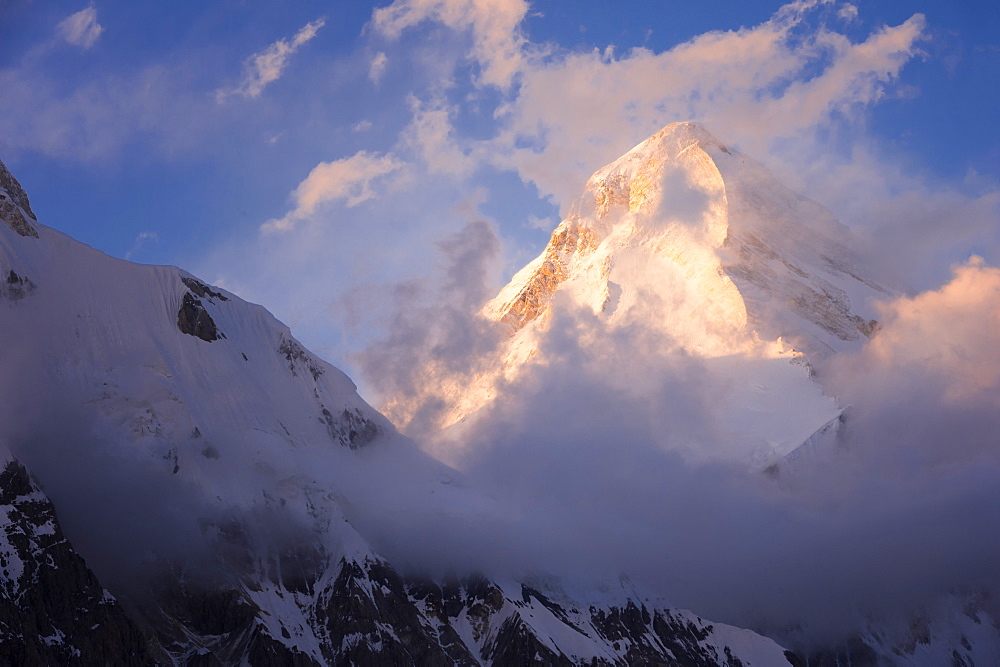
x: 752, y: 255
x: 701, y: 250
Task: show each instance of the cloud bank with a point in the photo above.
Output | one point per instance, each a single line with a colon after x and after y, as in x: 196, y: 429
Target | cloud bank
x: 586, y: 453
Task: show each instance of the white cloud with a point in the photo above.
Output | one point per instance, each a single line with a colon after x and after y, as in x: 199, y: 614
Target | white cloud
x: 848, y: 12
x: 430, y: 135
x: 577, y: 112
x: 349, y: 179
x: 81, y: 29
x: 140, y: 241
x: 948, y: 335
x: 362, y: 126
x: 376, y: 68
x: 497, y: 42
x: 266, y: 67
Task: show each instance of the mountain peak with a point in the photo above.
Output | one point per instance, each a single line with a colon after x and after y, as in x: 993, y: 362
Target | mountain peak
x: 671, y: 140
x: 698, y: 246
x: 684, y: 153
x: 760, y: 258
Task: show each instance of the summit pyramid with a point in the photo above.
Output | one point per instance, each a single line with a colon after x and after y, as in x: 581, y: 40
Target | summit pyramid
x: 702, y: 249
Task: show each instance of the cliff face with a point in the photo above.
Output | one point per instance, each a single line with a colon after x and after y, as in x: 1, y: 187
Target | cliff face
x: 14, y: 207
x: 53, y: 610
x: 570, y: 245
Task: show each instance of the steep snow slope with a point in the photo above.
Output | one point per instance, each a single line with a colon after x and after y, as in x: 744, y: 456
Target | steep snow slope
x: 243, y: 426
x: 701, y: 250
x: 262, y: 469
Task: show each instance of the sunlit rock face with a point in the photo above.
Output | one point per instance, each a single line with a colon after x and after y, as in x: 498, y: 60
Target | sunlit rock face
x: 701, y: 251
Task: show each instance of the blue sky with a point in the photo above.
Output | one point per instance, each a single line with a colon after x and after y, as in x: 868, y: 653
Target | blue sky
x: 311, y: 156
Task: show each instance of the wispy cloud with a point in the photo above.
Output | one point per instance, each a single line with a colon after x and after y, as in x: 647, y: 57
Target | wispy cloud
x: 782, y: 78
x: 81, y: 29
x: 498, y: 44
x: 376, y: 68
x: 350, y: 180
x: 267, y: 66
x: 140, y: 241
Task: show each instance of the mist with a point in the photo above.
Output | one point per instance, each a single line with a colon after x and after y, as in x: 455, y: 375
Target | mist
x: 431, y: 337
x: 596, y: 458
x: 139, y: 526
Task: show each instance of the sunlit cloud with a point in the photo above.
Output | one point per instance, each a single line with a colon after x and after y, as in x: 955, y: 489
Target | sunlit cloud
x: 433, y: 140
x: 267, y: 66
x: 947, y: 335
x: 498, y: 44
x: 81, y: 29
x: 751, y: 86
x: 351, y: 180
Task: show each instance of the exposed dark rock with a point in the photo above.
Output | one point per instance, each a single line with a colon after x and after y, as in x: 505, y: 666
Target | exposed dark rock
x: 854, y: 652
x: 296, y: 355
x: 53, y: 610
x: 194, y: 320
x: 16, y: 287
x: 14, y: 190
x: 203, y: 290
x: 516, y: 644
x: 350, y: 428
x: 369, y: 619
x: 15, y: 209
x: 215, y: 627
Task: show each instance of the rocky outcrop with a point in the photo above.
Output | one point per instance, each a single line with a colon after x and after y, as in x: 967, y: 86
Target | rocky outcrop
x: 194, y: 320
x: 570, y: 242
x: 477, y: 621
x: 203, y: 290
x: 14, y: 207
x: 298, y: 358
x: 362, y: 612
x: 53, y: 610
x: 350, y: 428
x: 16, y: 287
x: 367, y: 617
x: 204, y: 626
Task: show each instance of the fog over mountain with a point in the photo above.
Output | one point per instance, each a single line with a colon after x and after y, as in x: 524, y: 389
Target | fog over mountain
x: 694, y: 404
x: 633, y: 408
